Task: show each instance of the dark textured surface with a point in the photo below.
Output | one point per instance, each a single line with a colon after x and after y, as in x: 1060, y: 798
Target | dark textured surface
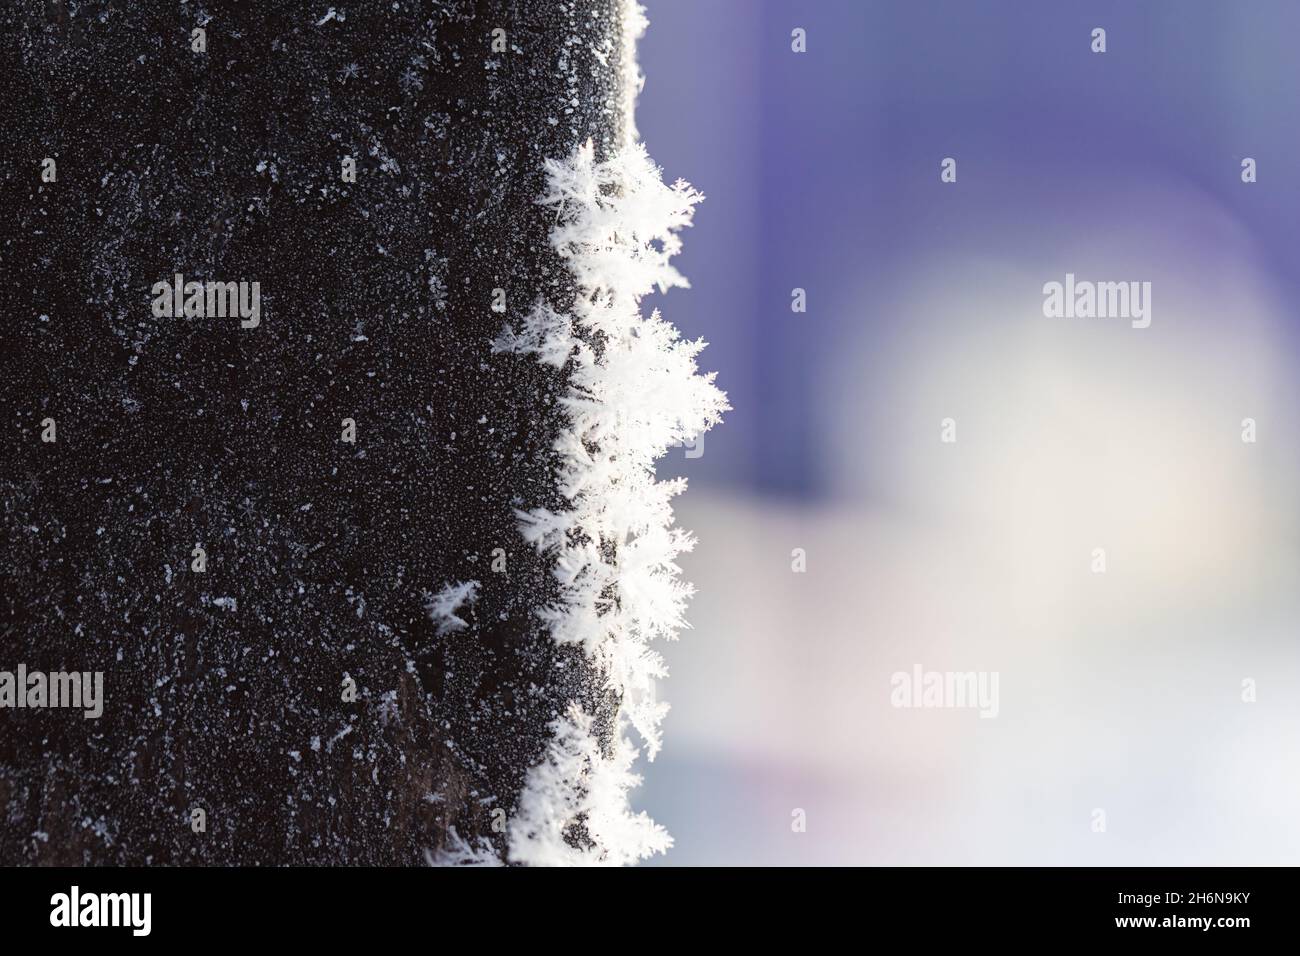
x: 375, y: 301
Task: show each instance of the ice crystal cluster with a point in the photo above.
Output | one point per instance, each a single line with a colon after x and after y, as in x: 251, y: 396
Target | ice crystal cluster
x: 442, y: 607
x: 634, y: 391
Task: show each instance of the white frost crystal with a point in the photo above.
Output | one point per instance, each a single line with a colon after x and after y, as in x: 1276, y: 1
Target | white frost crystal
x: 634, y: 391
x: 576, y: 781
x: 459, y: 852
x: 442, y: 607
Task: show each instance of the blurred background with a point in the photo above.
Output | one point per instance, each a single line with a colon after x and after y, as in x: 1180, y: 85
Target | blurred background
x: 1119, y: 691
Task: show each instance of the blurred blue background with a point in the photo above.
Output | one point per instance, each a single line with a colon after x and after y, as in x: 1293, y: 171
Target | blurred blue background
x: 1120, y: 691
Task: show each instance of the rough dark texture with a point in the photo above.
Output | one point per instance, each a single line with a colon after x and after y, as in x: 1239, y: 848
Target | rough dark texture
x: 376, y: 305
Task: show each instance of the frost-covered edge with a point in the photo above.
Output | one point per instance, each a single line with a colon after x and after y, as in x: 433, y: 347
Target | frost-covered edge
x: 634, y: 392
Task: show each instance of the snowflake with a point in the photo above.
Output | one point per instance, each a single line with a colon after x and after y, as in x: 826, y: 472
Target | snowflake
x: 442, y: 607
x: 634, y: 391
x: 409, y: 81
x: 438, y: 289
x: 460, y: 852
x: 437, y: 278
x: 349, y: 72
